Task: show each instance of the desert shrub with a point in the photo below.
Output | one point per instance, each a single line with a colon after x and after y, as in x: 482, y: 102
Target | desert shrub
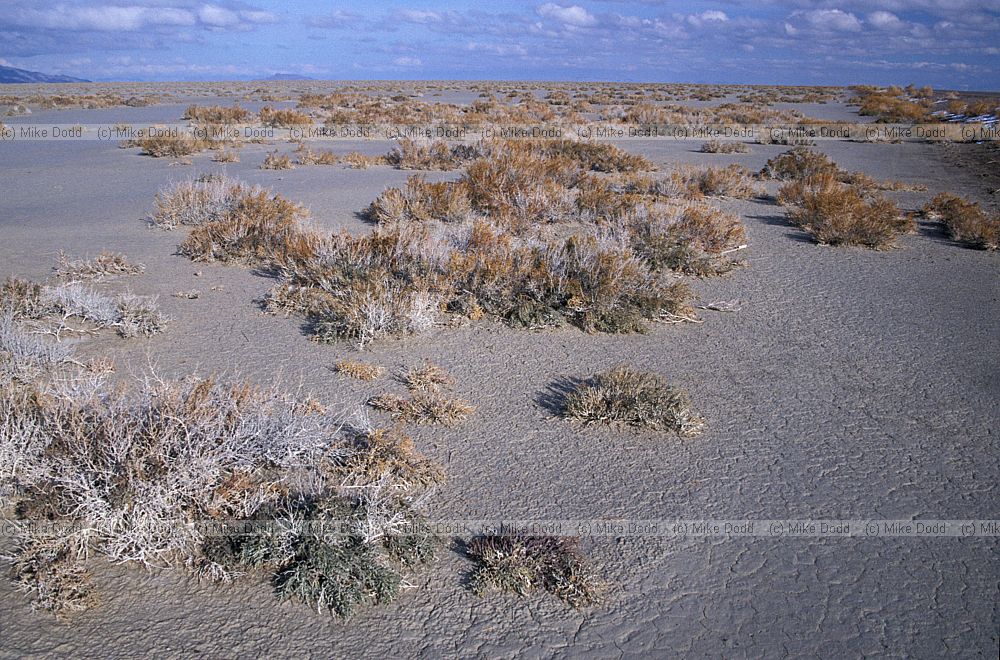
x: 732, y: 181
x: 799, y: 163
x: 421, y: 201
x: 637, y: 398
x: 52, y: 305
x: 159, y: 146
x: 224, y: 155
x: 430, y: 155
x: 596, y: 156
x: 24, y: 356
x: 890, y: 106
x: 691, y: 239
x: 306, y: 156
x: 966, y: 222
x: 275, y: 161
x: 106, y: 264
x: 380, y: 454
x: 533, y: 240
x: 22, y: 299
x: 837, y: 214
x: 359, y: 370
x: 196, y: 202
x: 522, y: 564
x: 423, y: 408
x: 218, y: 477
x: 359, y: 161
x: 723, y: 147
x: 217, y: 114
x: 129, y: 315
x: 428, y: 377
x: 283, y: 118
x: 255, y: 227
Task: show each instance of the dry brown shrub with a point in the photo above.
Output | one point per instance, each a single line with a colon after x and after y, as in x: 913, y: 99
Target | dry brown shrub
x: 966, y: 222
x: 283, y: 118
x: 840, y: 215
x: 224, y: 155
x: 172, y: 146
x: 259, y: 229
x: 216, y: 114
x: 521, y: 564
x: 424, y: 408
x: 276, y: 161
x: 724, y: 147
x: 799, y: 163
x: 637, y: 398
x: 359, y: 161
x: 360, y: 370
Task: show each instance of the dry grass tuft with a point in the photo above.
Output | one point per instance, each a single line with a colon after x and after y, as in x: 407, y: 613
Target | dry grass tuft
x: 424, y: 408
x: 522, y: 564
x: 725, y: 147
x: 306, y: 156
x: 636, y: 398
x: 276, y: 161
x: 429, y: 378
x: 359, y: 161
x: 359, y: 370
x: 966, y: 222
x: 106, y: 264
x: 224, y: 155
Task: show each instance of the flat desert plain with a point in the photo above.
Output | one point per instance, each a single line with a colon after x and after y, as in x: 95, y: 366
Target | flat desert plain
x: 835, y: 383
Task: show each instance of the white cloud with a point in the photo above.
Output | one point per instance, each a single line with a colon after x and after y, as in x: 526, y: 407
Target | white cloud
x: 338, y: 18
x: 407, y: 61
x: 832, y: 19
x: 217, y: 16
x: 419, y: 16
x: 712, y: 15
x: 133, y: 18
x: 573, y: 15
x: 885, y: 20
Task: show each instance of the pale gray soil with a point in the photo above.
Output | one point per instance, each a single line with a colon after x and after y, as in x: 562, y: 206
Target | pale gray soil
x: 851, y: 384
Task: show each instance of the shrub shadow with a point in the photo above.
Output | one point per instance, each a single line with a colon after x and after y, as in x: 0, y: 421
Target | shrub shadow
x: 553, y: 398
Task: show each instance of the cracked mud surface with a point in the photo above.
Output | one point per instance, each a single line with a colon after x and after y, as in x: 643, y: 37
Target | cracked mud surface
x: 850, y: 384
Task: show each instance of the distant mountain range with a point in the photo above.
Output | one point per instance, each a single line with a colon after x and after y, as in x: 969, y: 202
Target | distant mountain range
x: 9, y: 74
x: 288, y: 76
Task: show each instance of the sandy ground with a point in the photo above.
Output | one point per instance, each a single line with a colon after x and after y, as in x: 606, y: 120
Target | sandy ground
x: 851, y: 384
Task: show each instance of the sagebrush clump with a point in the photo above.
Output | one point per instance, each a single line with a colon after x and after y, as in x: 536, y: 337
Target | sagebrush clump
x: 966, y: 222
x: 522, y: 564
x: 637, y: 398
x: 725, y: 147
x: 834, y: 213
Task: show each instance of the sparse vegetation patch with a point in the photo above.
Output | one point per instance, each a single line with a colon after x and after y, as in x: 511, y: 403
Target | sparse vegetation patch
x: 966, y: 222
x: 522, y: 564
x: 637, y: 398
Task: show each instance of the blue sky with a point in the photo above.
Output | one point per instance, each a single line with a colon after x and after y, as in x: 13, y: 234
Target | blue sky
x: 945, y: 43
